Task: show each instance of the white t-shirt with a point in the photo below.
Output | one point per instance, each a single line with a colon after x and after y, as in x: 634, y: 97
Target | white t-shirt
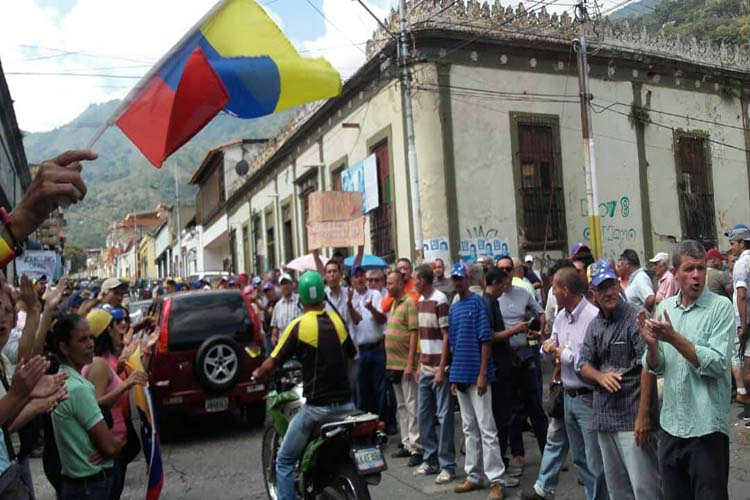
x: 740, y: 279
x: 368, y: 330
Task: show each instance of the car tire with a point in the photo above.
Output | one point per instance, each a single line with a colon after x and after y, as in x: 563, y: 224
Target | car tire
x: 218, y: 364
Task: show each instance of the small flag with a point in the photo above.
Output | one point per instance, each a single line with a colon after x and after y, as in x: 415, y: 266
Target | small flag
x: 235, y: 59
x: 149, y: 432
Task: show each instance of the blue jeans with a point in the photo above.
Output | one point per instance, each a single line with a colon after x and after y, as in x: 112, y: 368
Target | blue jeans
x: 553, y: 458
x: 584, y: 445
x: 432, y: 401
x: 294, y: 443
x: 88, y: 489
x: 370, y: 388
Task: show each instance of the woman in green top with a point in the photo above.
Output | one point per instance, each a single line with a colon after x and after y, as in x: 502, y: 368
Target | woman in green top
x: 85, y: 443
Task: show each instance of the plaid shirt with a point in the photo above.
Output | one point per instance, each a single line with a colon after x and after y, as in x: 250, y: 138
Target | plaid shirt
x: 613, y: 344
x: 285, y: 311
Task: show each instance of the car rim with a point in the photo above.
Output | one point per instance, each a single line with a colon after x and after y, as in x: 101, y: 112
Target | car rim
x: 220, y: 364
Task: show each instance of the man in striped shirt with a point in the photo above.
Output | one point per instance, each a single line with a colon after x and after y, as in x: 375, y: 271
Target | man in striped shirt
x: 401, y: 349
x: 434, y: 393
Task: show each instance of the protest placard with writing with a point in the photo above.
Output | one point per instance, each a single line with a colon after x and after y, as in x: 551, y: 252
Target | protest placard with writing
x: 335, y: 220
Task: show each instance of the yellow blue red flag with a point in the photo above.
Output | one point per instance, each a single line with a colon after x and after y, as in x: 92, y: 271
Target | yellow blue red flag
x: 235, y: 59
x: 149, y: 432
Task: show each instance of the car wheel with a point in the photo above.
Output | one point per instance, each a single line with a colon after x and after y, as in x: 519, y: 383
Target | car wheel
x: 218, y: 364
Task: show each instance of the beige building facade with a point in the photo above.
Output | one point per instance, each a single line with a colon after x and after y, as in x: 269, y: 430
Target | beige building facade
x: 498, y: 138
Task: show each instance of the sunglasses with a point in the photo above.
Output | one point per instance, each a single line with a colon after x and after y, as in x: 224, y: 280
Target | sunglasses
x: 507, y: 269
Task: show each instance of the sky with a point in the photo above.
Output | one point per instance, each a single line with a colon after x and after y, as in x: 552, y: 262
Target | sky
x: 60, y: 56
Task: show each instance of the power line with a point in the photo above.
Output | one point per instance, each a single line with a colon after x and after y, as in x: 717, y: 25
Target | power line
x: 56, y: 73
x: 309, y: 2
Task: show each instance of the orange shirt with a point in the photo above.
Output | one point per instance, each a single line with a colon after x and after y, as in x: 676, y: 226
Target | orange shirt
x: 387, y: 300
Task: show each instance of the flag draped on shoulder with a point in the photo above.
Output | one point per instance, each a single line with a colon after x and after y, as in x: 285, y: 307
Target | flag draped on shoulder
x: 149, y: 431
x: 235, y: 59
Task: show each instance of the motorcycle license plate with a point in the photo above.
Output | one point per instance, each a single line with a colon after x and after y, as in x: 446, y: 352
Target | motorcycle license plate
x: 217, y: 404
x: 369, y: 459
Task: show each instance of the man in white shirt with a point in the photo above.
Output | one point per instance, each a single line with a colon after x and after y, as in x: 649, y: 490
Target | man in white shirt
x: 640, y: 290
x: 363, y: 306
x: 287, y: 308
x: 739, y: 246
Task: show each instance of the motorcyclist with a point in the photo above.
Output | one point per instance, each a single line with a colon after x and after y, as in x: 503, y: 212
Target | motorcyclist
x: 320, y: 341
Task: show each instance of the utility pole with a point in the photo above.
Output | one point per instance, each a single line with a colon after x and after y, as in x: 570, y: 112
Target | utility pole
x: 403, y: 53
x: 402, y: 46
x: 179, y: 226
x: 589, y: 149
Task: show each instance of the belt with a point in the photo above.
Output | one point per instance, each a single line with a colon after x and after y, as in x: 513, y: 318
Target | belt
x: 102, y: 474
x: 574, y: 393
x: 370, y: 346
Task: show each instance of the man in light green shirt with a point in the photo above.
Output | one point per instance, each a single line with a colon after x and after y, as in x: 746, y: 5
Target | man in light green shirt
x: 690, y: 344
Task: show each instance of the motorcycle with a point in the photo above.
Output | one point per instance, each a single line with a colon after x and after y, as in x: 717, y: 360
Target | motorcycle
x: 344, y: 455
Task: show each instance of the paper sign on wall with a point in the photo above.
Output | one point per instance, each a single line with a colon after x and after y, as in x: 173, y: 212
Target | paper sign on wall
x: 335, y: 220
x: 362, y: 177
x: 474, y: 248
x: 437, y: 248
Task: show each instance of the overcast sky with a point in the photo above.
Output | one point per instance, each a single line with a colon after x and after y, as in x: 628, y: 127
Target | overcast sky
x: 123, y: 39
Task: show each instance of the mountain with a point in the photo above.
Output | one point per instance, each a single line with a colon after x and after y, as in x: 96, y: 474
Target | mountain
x: 121, y: 180
x: 721, y: 21
x: 634, y: 9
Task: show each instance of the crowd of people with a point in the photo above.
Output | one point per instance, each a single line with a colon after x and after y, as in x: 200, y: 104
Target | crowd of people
x: 633, y: 358
x: 634, y: 351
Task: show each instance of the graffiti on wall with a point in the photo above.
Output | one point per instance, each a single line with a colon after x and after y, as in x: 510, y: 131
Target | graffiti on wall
x: 618, y: 232
x: 610, y: 209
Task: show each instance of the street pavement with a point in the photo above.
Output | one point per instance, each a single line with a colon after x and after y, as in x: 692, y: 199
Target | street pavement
x: 218, y: 458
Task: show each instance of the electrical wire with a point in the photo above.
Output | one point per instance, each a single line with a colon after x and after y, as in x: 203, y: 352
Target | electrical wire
x: 322, y: 14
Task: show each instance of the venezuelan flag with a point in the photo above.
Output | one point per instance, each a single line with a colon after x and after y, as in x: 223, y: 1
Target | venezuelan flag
x: 235, y: 59
x: 149, y: 432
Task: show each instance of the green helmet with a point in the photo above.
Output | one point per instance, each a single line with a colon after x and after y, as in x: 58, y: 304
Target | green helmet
x: 311, y: 289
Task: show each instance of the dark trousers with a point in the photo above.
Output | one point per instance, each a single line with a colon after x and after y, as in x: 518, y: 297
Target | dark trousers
x: 502, y: 408
x: 694, y: 468
x: 526, y: 392
x: 118, y: 479
x: 370, y: 385
x: 97, y: 487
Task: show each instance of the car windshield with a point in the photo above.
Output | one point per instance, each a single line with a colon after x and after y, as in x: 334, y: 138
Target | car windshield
x: 204, y: 314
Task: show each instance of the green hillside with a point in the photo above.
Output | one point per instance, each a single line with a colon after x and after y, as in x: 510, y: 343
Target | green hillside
x: 121, y: 180
x: 720, y: 21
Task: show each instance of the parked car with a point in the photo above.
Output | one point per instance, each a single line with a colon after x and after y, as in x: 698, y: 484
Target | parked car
x: 201, y: 365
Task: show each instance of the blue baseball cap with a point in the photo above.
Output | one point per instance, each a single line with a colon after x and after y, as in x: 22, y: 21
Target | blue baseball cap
x: 601, y: 271
x: 459, y: 271
x: 256, y: 281
x: 578, y: 248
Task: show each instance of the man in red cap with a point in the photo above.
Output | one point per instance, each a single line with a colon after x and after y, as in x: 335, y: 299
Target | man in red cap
x: 718, y: 280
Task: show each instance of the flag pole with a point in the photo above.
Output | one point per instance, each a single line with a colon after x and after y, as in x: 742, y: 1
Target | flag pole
x: 142, y: 82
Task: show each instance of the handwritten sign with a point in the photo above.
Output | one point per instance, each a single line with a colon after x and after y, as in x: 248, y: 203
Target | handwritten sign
x: 35, y: 263
x: 334, y: 205
x: 335, y: 220
x: 336, y: 233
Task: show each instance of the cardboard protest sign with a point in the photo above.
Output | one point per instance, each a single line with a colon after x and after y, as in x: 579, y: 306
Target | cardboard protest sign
x: 335, y: 220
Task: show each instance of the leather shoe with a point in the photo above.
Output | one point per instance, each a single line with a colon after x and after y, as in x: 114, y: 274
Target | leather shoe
x: 465, y: 486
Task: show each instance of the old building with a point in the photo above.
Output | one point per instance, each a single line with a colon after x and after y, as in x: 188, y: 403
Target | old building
x: 14, y: 170
x: 498, y: 138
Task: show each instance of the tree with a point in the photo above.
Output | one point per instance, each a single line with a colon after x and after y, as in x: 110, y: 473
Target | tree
x: 77, y: 257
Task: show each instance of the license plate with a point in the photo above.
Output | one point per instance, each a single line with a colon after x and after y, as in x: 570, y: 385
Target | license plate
x: 218, y: 404
x: 369, y: 459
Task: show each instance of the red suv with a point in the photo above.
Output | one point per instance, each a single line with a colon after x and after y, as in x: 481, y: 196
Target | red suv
x: 200, y: 365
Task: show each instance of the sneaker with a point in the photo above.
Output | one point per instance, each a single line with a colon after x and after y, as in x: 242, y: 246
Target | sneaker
x: 466, y: 486
x: 445, y: 477
x: 426, y: 469
x: 414, y: 460
x: 497, y: 492
x: 511, y: 482
x: 401, y: 453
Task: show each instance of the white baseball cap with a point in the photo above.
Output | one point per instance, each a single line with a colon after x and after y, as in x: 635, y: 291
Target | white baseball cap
x: 529, y: 258
x: 660, y: 257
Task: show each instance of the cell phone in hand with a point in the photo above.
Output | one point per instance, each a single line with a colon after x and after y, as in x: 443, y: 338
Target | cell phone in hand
x: 535, y: 325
